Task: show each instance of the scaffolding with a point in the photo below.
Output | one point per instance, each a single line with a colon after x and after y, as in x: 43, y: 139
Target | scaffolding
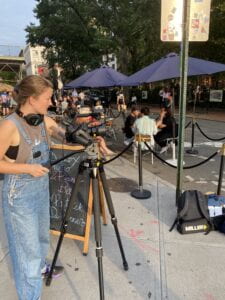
x: 12, y: 60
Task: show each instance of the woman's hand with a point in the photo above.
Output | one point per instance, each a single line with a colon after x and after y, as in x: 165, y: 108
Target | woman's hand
x: 37, y: 170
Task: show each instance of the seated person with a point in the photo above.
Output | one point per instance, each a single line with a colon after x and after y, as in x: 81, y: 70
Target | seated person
x: 104, y: 150
x: 99, y: 108
x: 145, y: 125
x: 129, y: 123
x: 98, y: 105
x: 169, y: 129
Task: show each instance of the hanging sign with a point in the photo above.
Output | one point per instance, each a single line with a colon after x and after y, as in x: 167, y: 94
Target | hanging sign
x: 171, y: 20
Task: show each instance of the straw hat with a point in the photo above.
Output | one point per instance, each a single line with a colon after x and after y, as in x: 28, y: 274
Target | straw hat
x: 5, y: 87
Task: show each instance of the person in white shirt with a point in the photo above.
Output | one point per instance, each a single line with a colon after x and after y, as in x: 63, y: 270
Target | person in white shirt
x: 146, y: 126
x: 166, y: 98
x: 64, y: 104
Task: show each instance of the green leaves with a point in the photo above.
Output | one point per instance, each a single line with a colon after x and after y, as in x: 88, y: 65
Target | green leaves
x: 76, y: 33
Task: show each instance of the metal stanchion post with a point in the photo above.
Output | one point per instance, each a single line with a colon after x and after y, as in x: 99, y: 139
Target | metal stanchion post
x: 221, y: 170
x: 140, y: 193
x: 173, y: 161
x: 192, y: 150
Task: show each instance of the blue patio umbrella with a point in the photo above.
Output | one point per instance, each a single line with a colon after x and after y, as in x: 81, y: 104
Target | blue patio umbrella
x: 100, y: 77
x: 168, y: 67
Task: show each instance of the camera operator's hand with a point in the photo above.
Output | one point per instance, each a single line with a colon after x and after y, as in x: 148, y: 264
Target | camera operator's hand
x: 36, y: 170
x: 94, y: 123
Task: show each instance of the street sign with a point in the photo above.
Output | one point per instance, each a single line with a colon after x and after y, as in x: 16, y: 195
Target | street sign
x: 171, y: 20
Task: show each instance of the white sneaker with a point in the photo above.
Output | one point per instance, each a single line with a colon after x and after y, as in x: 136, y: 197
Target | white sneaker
x: 164, y: 149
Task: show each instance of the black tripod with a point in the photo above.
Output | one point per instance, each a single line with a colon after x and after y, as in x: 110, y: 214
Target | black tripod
x: 96, y: 172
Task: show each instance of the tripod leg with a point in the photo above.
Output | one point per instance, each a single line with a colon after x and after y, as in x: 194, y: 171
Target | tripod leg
x: 98, y: 234
x: 112, y: 214
x: 64, y: 225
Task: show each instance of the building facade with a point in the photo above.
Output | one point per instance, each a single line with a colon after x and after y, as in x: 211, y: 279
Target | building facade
x: 110, y: 60
x: 35, y: 62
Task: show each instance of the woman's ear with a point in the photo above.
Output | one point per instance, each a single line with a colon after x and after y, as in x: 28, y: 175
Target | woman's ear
x: 31, y: 100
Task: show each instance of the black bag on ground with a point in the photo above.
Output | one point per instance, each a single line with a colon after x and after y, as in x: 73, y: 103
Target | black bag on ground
x: 192, y: 213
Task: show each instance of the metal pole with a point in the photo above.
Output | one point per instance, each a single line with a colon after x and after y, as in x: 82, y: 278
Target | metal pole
x: 183, y: 93
x: 221, y: 171
x: 140, y: 193
x: 192, y: 150
x: 193, y: 134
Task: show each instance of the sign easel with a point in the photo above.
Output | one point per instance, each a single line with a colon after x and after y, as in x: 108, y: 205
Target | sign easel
x: 60, y: 192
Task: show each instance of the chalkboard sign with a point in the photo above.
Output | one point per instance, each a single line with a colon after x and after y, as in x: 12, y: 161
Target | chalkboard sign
x: 62, y: 180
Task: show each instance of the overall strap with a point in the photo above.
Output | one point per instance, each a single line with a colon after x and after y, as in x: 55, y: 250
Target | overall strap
x: 44, y: 134
x: 20, y: 128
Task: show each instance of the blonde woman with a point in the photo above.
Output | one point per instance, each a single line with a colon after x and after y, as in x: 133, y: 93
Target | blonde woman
x: 24, y: 156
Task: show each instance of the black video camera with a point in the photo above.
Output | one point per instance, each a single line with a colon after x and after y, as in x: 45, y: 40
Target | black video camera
x: 95, y: 130
x: 83, y: 134
x: 75, y: 134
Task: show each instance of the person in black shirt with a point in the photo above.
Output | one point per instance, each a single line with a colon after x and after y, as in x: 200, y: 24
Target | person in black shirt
x: 169, y: 129
x: 129, y: 124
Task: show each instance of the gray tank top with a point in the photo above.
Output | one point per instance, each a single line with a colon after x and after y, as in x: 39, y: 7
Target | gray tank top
x: 34, y: 134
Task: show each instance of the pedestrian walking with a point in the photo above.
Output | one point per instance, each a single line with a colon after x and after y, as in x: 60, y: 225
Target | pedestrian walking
x: 5, y: 103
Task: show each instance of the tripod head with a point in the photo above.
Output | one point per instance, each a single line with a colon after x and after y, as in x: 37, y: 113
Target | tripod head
x: 80, y: 135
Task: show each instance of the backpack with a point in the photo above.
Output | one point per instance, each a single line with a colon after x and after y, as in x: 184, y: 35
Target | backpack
x: 192, y: 213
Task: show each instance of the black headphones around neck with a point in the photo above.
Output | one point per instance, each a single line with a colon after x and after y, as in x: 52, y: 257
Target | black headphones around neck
x: 31, y: 119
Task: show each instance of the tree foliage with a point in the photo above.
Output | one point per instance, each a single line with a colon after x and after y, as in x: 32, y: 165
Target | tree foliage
x: 214, y: 48
x: 76, y: 33
x: 68, y: 33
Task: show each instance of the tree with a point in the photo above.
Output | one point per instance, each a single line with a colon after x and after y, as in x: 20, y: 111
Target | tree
x: 76, y: 33
x: 216, y: 42
x: 68, y: 34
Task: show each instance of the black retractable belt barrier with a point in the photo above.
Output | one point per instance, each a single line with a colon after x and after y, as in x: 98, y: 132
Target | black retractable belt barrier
x: 140, y: 193
x: 206, y: 136
x: 192, y: 150
x: 221, y: 170
x: 187, y: 125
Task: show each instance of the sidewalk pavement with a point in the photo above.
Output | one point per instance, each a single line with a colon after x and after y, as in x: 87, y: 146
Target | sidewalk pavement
x: 162, y: 265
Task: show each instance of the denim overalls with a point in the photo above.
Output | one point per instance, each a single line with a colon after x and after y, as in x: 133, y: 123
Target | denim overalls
x: 26, y: 217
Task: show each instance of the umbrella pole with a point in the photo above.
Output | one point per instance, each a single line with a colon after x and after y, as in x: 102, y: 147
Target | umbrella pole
x: 183, y: 94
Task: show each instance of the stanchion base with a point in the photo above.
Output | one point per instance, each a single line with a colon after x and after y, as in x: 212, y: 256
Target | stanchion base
x: 192, y: 151
x: 141, y: 194
x: 173, y: 162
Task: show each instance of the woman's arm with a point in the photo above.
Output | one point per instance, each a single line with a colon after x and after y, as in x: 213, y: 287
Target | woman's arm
x: 54, y: 130
x: 159, y: 121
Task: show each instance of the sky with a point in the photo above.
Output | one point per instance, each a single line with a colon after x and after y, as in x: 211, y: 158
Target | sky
x: 15, y: 16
